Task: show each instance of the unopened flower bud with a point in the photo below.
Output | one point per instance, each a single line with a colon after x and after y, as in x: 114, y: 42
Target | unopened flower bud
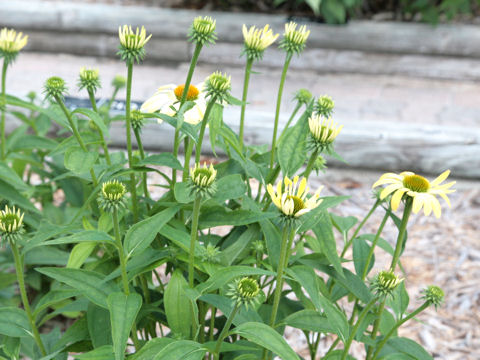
x: 89, y: 80
x: 11, y: 224
x: 112, y: 196
x: 245, y: 291
x: 55, y: 88
x: 202, y: 30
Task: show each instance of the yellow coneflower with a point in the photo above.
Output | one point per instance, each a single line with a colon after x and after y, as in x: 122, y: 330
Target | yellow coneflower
x: 11, y: 43
x: 257, y: 40
x: 423, y: 192
x: 292, y: 201
x: 294, y: 40
x: 169, y: 96
x: 133, y: 40
x: 323, y: 130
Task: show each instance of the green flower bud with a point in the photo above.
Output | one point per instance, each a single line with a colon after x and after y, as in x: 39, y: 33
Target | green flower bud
x: 11, y: 224
x: 112, y: 196
x: 202, y: 180
x: 202, y: 30
x: 218, y: 85
x: 55, y: 88
x: 119, y: 82
x: 258, y: 247
x: 137, y: 119
x: 433, y: 295
x: 89, y: 79
x: 324, y: 106
x: 303, y: 96
x: 211, y: 254
x: 294, y: 40
x: 384, y: 283
x: 132, y: 43
x: 245, y: 291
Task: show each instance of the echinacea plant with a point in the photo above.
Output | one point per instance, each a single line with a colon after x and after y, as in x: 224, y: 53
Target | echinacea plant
x: 213, y: 264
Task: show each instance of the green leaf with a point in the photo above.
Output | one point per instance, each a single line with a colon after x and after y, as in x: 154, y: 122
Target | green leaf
x: 219, y: 216
x: 272, y: 235
x: 231, y: 253
x: 123, y: 312
x: 99, y: 328
x: 292, y: 151
x: 102, y: 353
x: 326, y: 240
x: 79, y: 161
x: 177, y: 305
x: 151, y: 349
x: 399, y: 301
x: 309, y: 320
x: 7, y: 191
x: 182, y: 350
x: 343, y: 223
x: 314, y: 5
x: 266, y: 337
x: 141, y: 235
x: 80, y: 253
x: 164, y: 159
x: 92, y: 115
x: 11, y: 177
x: 307, y: 278
x: 407, y: 347
x: 78, y: 331
x: 360, y: 253
x: 80, y: 237
x: 230, y: 187
x: 89, y: 283
x: 33, y: 142
x: 183, y: 193
x: 14, y: 322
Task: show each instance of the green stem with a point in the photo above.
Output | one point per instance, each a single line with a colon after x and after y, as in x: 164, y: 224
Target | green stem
x: 310, y: 164
x: 75, y: 133
x: 91, y: 95
x: 397, y: 325
x: 188, y: 80
x: 188, y: 155
x: 294, y: 113
x: 374, y: 244
x: 112, y: 99
x: 133, y: 187
x: 401, y: 233
x: 142, y: 156
x: 359, y: 227
x: 287, y: 237
x: 4, y: 109
x: 193, y: 239
x: 225, y: 330
x: 198, y: 150
x: 121, y: 252
x: 277, y: 111
x: 357, y: 325
x: 213, y: 313
x: 376, y: 326
x: 23, y: 294
x: 248, y: 68
x: 123, y: 267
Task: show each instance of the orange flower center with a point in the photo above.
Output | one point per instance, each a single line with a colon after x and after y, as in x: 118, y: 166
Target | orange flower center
x: 192, y: 93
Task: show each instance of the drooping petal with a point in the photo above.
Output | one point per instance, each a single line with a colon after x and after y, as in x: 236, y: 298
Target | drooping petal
x: 397, y: 197
x: 389, y: 189
x: 440, y: 178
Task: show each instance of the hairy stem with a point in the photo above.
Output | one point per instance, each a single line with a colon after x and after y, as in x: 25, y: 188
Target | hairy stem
x: 193, y: 239
x: 277, y: 111
x: 225, y: 329
x: 248, y: 69
x: 133, y: 185
x: 91, y: 95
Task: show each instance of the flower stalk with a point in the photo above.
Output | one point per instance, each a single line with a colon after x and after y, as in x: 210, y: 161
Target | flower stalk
x: 401, y: 233
x: 225, y: 329
x: 91, y: 95
x: 193, y: 239
x: 248, y: 69
x: 288, y: 58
